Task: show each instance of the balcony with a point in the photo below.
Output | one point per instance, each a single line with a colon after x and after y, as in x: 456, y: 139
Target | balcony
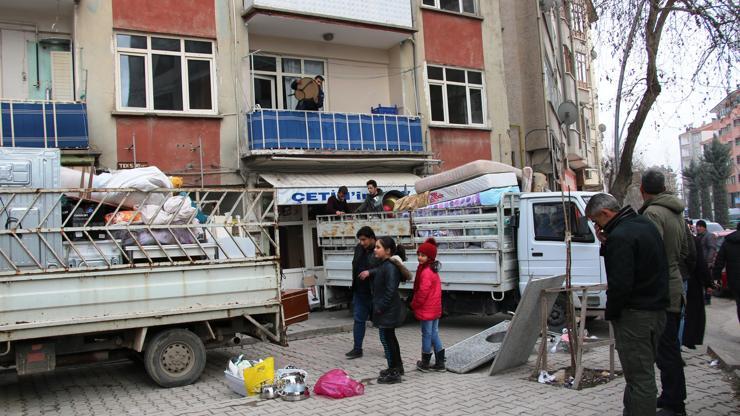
x: 57, y: 124
x: 276, y: 130
x: 378, y: 24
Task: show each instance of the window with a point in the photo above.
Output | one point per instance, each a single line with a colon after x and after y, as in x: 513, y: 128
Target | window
x: 737, y: 141
x: 165, y: 74
x: 456, y: 96
x: 581, y: 67
x: 457, y: 6
x: 549, y: 223
x: 737, y: 159
x: 578, y: 17
x: 274, y: 74
x: 568, y: 57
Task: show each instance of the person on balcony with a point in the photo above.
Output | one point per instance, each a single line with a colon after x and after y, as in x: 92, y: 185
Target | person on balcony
x: 310, y: 98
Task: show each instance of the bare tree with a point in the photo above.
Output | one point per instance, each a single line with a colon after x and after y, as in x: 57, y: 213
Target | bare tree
x: 662, y: 26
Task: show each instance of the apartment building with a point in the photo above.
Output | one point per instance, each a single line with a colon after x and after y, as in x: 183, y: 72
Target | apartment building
x: 691, y: 149
x: 725, y: 126
x: 551, y: 90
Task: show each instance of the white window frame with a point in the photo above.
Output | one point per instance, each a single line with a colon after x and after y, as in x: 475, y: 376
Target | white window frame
x: 468, y: 86
x: 578, y: 17
x: 279, y: 74
x: 149, y: 80
x: 437, y: 6
x: 581, y: 68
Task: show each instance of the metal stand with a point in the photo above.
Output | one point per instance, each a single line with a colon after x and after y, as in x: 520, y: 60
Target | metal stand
x: 580, y: 343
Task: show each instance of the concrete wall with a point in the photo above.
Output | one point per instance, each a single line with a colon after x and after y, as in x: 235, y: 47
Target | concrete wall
x: 452, y: 39
x: 96, y: 72
x: 176, y: 17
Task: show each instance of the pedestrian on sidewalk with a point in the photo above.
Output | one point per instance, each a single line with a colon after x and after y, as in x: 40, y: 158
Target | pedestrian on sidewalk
x: 426, y: 302
x: 729, y: 257
x: 387, y: 306
x: 665, y: 210
x: 637, y: 295
x: 695, y: 315
x: 362, y: 298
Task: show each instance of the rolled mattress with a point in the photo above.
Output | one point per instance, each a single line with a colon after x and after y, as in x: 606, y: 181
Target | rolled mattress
x: 463, y: 173
x: 473, y: 186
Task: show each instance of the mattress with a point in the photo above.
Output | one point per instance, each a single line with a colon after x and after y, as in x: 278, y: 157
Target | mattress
x: 463, y: 173
x: 473, y: 186
x: 490, y: 197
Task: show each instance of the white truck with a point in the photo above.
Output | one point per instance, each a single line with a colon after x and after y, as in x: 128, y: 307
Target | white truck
x: 488, y: 254
x: 80, y: 287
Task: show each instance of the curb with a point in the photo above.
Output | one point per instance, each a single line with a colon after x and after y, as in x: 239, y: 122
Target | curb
x: 727, y: 361
x: 313, y: 333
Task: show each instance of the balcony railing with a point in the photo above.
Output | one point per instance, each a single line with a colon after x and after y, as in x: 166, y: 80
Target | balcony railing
x: 312, y: 130
x: 43, y: 124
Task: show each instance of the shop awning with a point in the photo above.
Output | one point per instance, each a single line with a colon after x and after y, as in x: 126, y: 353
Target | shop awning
x: 300, y: 189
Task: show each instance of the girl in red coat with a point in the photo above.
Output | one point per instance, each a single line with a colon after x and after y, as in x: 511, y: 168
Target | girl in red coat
x: 427, y: 306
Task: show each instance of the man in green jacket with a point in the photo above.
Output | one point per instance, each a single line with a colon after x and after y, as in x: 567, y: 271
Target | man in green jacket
x: 665, y: 210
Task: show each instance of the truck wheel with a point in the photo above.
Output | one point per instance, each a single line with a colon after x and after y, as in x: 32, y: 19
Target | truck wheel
x: 175, y: 357
x: 556, y: 320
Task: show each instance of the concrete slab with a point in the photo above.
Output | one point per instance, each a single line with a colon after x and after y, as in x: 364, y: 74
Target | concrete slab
x: 477, y: 350
x: 525, y: 327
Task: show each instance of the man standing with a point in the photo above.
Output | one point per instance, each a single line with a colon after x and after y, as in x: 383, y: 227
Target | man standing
x: 337, y: 204
x: 362, y: 299
x: 637, y: 294
x: 729, y: 256
x: 373, y: 201
x: 708, y: 242
x: 310, y: 104
x: 665, y: 210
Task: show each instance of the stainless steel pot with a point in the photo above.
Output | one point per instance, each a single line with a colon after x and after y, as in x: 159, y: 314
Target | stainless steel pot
x: 268, y: 391
x: 296, y: 396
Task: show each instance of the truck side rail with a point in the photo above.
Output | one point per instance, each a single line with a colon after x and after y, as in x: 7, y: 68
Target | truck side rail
x: 55, y: 230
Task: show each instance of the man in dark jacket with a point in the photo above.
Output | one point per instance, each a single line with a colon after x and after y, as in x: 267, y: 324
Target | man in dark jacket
x: 311, y: 104
x: 728, y: 257
x: 373, y: 201
x: 362, y: 298
x: 636, y: 297
x: 665, y: 210
x: 708, y: 242
x: 337, y: 204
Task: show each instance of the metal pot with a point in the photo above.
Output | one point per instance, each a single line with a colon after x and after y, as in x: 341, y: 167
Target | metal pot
x: 296, y: 396
x: 268, y: 391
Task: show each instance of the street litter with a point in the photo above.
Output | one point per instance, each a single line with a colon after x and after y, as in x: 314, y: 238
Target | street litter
x: 245, y: 377
x: 337, y: 384
x: 545, y: 378
x: 714, y: 363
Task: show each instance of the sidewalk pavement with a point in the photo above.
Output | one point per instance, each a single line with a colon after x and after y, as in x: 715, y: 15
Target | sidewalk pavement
x: 722, y: 335
x: 124, y: 388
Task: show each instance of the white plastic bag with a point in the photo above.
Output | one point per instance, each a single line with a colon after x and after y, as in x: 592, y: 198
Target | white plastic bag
x: 175, y: 210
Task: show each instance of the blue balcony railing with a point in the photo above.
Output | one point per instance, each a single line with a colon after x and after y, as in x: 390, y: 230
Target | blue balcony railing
x: 43, y: 124
x: 311, y: 130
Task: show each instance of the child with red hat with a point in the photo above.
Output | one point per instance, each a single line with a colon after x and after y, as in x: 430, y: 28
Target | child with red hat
x: 427, y: 306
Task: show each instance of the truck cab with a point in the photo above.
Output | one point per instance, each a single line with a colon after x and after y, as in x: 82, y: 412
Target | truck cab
x: 541, y: 245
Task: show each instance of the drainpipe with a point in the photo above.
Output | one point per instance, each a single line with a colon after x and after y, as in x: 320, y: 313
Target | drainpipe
x: 235, y: 67
x: 544, y: 81
x: 581, y: 127
x: 73, y: 47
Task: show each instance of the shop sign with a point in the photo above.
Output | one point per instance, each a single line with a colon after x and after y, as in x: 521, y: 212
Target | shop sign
x: 303, y: 196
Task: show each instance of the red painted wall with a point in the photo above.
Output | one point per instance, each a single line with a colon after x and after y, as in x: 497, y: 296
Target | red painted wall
x: 452, y: 40
x: 456, y: 147
x: 175, y: 17
x: 171, y: 144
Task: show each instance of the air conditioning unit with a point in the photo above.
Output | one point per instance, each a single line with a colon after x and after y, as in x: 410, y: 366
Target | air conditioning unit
x: 590, y: 177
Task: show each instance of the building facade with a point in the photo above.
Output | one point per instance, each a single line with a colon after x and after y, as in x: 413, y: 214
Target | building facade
x: 726, y: 126
x: 551, y: 90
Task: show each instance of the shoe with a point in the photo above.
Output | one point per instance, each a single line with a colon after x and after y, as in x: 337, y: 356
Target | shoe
x: 393, y: 376
x: 423, y: 364
x: 439, y: 361
x: 668, y: 412
x: 355, y: 353
x: 385, y: 372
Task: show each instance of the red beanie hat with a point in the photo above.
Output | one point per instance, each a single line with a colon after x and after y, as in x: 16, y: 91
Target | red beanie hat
x: 429, y: 249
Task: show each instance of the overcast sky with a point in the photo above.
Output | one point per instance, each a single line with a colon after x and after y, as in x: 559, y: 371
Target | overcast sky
x: 680, y: 104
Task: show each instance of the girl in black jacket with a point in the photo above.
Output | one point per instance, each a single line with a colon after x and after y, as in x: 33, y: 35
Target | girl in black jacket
x: 387, y: 306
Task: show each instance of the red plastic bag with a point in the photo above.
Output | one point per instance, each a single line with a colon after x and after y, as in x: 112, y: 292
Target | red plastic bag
x: 337, y: 384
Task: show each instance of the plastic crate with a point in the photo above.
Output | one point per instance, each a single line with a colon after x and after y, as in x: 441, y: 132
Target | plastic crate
x: 384, y: 110
x: 235, y: 384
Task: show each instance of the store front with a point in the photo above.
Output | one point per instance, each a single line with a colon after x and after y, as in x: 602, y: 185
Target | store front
x: 302, y: 197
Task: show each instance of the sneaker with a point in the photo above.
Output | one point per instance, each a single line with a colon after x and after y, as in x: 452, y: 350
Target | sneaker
x: 393, y: 376
x: 355, y: 353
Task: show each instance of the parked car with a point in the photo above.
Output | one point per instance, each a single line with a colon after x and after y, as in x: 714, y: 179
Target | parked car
x: 712, y: 227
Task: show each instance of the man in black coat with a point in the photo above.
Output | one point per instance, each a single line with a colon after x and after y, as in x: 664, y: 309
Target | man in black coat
x: 337, y: 204
x: 637, y: 294
x: 729, y: 256
x: 373, y: 201
x: 362, y: 298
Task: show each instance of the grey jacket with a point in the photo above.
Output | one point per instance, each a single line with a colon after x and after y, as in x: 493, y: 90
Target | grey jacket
x: 665, y: 210
x: 709, y: 246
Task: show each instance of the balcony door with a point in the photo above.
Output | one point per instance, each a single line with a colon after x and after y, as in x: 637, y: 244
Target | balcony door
x: 264, y: 91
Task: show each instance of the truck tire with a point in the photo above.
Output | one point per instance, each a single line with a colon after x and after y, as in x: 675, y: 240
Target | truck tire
x: 556, y: 319
x: 175, y: 357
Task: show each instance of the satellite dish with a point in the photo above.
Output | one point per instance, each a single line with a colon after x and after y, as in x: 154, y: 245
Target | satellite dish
x: 567, y: 112
x: 602, y: 127
x: 306, y: 89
